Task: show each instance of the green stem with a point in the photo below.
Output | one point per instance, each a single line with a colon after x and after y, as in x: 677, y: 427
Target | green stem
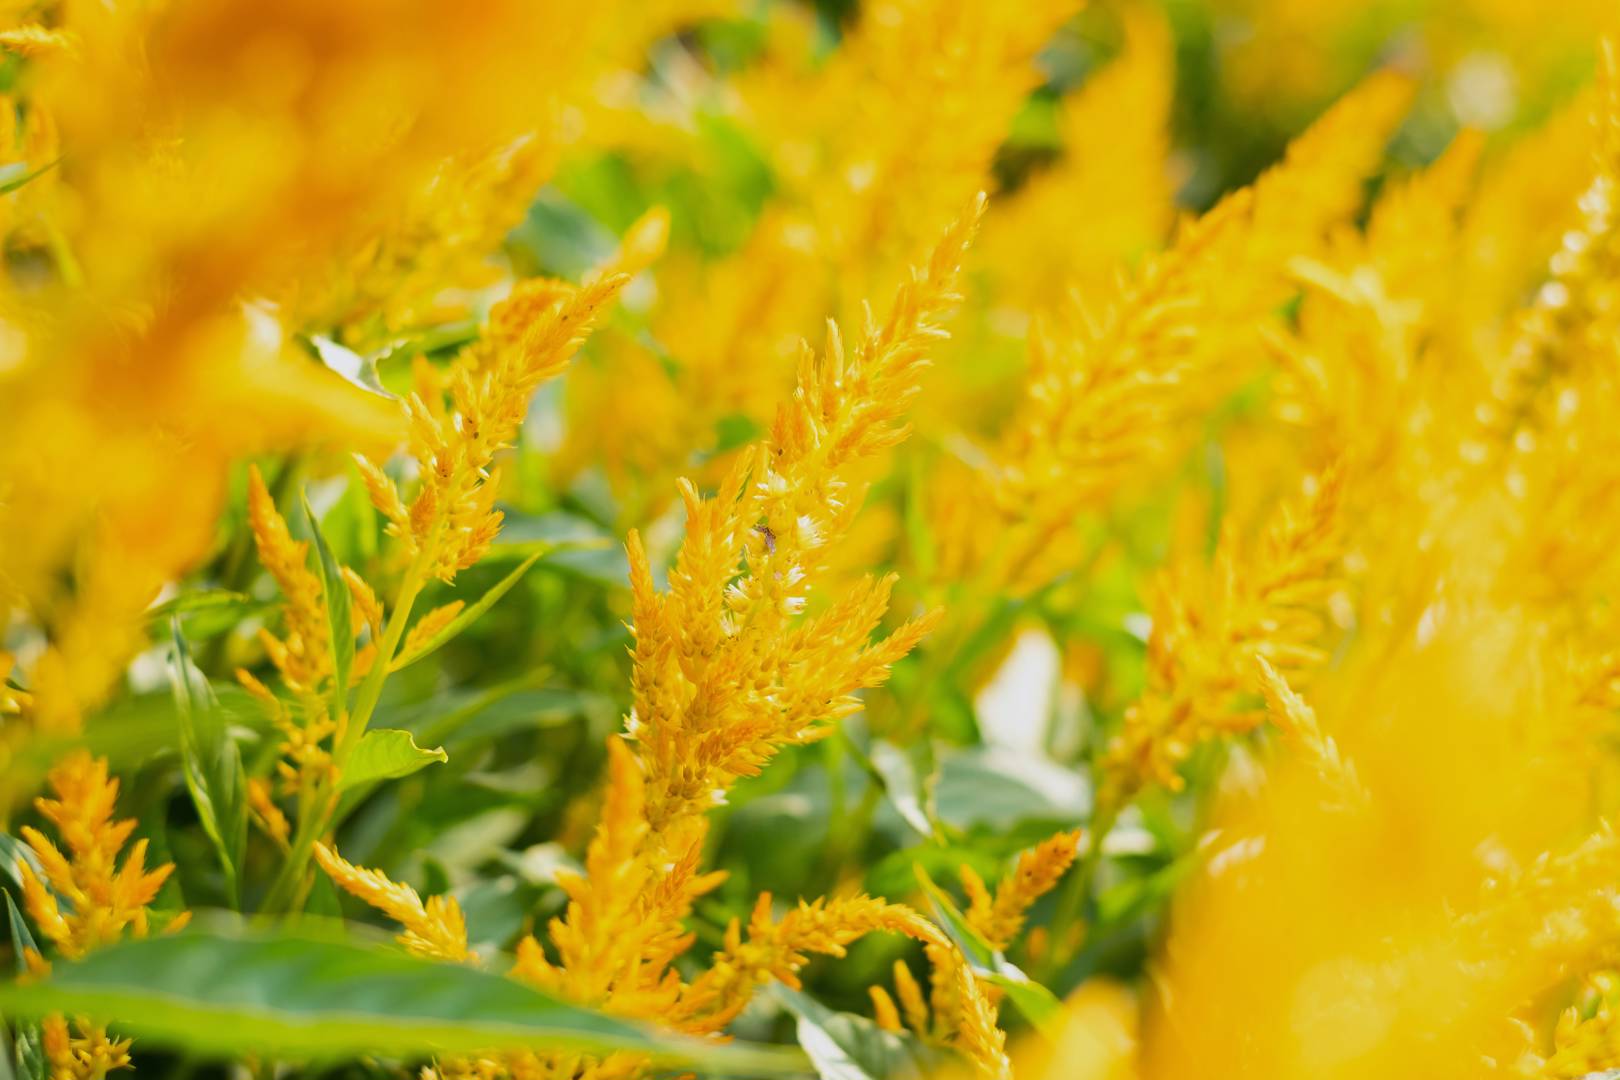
x: 288, y: 885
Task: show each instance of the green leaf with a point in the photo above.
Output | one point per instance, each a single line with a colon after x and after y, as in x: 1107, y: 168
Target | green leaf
x: 573, y: 544
x: 469, y: 614
x: 13, y: 851
x: 1038, y: 1004
x: 337, y: 610
x: 900, y: 783
x: 28, y: 1051
x: 386, y: 754
x: 212, y: 766
x: 843, y: 1046
x: 1000, y: 788
x: 226, y: 990
x: 357, y: 369
x: 25, y: 1050
x: 199, y: 600
x: 21, y: 939
x: 15, y: 174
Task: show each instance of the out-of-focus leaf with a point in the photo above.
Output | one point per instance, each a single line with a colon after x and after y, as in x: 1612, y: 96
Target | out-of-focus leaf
x: 843, y: 1046
x: 16, y: 174
x: 208, y: 612
x: 25, y: 1050
x: 212, y: 767
x: 337, y: 609
x: 470, y: 614
x: 560, y: 238
x: 229, y: 990
x: 998, y: 788
x: 386, y: 754
x: 13, y: 851
x: 21, y: 939
x: 357, y: 369
x: 572, y: 543
x: 901, y: 784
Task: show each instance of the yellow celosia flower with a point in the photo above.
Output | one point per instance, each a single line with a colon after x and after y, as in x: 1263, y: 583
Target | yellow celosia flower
x: 1571, y: 318
x: 1000, y: 918
x: 304, y: 655
x: 532, y: 335
x: 1206, y: 635
x: 436, y: 929
x: 729, y: 669
x: 104, y: 900
x: 779, y: 948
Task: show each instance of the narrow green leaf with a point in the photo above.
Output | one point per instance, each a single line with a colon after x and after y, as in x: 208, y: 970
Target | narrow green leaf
x: 28, y: 1051
x: 16, y: 174
x: 25, y: 1050
x: 1038, y: 1004
x: 219, y: 990
x: 844, y: 1046
x: 200, y: 600
x: 13, y: 851
x: 386, y: 754
x: 21, y: 938
x: 6, y: 1051
x: 468, y: 614
x: 212, y: 766
x: 337, y: 609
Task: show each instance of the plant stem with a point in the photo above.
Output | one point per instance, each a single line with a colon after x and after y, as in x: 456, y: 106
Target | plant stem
x: 285, y: 890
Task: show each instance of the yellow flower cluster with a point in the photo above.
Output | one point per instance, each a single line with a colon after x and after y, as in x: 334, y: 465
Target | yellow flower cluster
x: 730, y: 668
x: 104, y: 900
x: 999, y: 918
x: 1310, y: 493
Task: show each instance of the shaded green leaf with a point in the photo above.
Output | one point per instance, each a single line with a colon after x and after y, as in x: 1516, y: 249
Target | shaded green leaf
x: 999, y: 788
x: 211, y: 765
x: 21, y: 938
x: 900, y: 783
x: 843, y: 1046
x: 13, y: 851
x: 386, y: 754
x: 228, y: 990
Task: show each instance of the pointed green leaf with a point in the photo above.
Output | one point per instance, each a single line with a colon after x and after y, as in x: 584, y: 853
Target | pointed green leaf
x: 211, y: 765
x: 15, y: 174
x: 230, y: 990
x: 386, y: 754
x: 25, y: 1049
x: 13, y: 851
x: 469, y: 614
x: 337, y: 610
x: 844, y: 1046
x: 21, y: 938
x: 28, y: 1051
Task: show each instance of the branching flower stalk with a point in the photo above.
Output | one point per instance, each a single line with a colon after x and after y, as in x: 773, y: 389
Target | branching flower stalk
x: 728, y: 669
x: 447, y: 527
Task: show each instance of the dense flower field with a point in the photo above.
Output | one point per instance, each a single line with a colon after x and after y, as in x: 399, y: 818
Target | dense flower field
x: 900, y: 540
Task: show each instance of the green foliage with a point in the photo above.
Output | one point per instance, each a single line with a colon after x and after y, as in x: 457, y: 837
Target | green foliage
x: 226, y: 990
